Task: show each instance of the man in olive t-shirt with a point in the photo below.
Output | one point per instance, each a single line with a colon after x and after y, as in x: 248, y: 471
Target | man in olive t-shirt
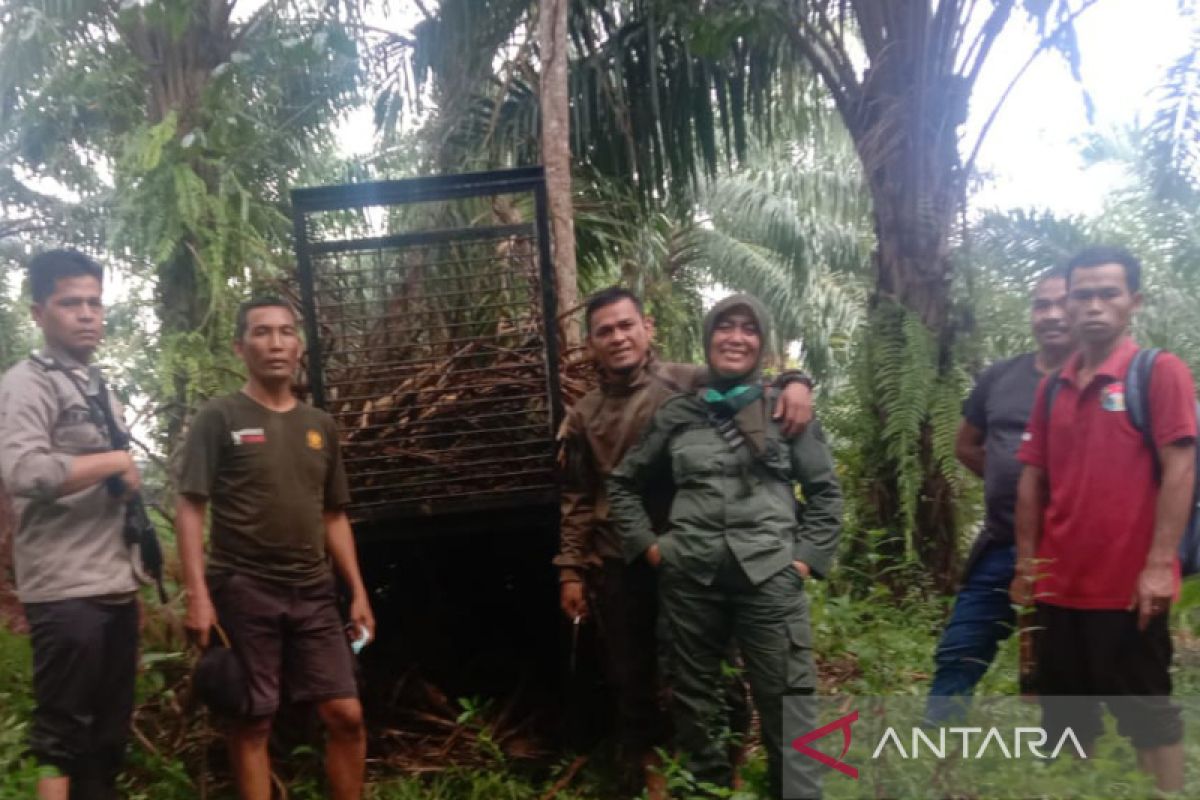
x: 270, y: 469
x: 269, y: 477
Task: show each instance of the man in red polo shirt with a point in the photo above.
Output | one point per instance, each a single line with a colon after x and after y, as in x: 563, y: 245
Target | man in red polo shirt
x: 1098, y: 530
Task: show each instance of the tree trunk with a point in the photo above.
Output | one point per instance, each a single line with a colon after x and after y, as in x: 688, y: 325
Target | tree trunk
x: 180, y: 310
x: 905, y: 127
x: 556, y: 154
x: 913, y: 273
x: 178, y: 67
x: 12, y: 616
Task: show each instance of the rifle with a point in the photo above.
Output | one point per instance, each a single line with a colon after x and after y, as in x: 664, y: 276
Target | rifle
x: 139, y: 530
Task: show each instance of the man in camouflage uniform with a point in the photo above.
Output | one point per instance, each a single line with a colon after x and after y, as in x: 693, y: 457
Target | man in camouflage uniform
x: 595, y: 435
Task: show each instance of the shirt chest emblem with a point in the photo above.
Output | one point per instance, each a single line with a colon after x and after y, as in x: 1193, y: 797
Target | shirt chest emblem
x: 248, y: 436
x: 314, y: 439
x: 1112, y: 397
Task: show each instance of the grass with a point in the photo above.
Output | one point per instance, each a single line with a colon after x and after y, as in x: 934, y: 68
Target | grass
x: 874, y: 646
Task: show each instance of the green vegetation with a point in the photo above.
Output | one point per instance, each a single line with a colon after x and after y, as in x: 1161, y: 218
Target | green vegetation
x: 879, y: 645
x: 727, y: 143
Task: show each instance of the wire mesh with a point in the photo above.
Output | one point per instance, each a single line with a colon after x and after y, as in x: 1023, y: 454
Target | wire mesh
x: 433, y: 354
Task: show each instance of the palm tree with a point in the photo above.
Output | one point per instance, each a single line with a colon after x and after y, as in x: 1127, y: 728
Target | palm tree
x: 663, y: 92
x: 793, y: 226
x: 180, y: 128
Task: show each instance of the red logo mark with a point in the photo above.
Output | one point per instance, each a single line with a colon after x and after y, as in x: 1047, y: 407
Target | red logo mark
x: 800, y: 744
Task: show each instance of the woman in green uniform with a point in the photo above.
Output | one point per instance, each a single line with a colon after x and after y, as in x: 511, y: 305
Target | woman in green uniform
x: 739, y: 547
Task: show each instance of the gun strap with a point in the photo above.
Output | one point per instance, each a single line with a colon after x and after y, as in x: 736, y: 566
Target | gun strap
x: 744, y: 449
x: 102, y: 415
x: 99, y: 408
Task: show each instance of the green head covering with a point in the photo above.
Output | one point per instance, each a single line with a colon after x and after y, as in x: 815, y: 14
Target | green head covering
x: 738, y: 396
x: 747, y: 304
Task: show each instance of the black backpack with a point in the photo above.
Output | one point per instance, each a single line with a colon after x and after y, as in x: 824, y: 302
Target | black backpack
x: 1137, y: 405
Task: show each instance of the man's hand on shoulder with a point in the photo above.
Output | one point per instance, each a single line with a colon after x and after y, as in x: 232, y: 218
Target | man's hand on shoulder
x: 794, y: 408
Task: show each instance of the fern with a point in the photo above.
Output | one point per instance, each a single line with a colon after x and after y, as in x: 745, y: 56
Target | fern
x: 944, y: 415
x: 905, y: 421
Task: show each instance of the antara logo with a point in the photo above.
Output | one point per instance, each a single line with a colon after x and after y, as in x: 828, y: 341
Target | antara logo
x: 975, y: 743
x: 800, y: 744
x: 1031, y: 739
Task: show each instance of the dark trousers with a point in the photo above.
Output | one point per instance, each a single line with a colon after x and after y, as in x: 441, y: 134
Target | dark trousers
x: 982, y: 619
x: 84, y: 667
x: 625, y: 604
x: 770, y: 624
x: 1091, y: 657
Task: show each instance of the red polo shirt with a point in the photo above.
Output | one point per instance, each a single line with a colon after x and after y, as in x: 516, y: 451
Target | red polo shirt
x: 1099, y: 522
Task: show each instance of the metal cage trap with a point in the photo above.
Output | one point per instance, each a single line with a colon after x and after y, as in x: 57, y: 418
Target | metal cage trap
x: 429, y: 312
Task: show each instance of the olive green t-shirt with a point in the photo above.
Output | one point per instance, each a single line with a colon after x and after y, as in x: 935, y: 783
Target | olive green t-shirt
x: 268, y: 477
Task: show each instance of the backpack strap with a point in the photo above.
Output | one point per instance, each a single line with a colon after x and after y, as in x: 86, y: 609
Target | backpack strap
x: 1137, y: 399
x: 1053, y: 382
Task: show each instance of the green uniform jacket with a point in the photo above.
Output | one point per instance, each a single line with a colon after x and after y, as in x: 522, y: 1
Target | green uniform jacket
x: 728, y: 498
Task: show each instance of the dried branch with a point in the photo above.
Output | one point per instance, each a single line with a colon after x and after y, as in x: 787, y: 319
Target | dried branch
x: 567, y: 776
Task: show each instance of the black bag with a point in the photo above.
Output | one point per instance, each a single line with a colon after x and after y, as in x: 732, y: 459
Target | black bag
x: 219, y: 678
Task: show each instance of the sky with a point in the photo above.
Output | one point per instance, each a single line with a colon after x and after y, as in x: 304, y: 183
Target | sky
x: 1031, y: 155
x: 1032, y: 151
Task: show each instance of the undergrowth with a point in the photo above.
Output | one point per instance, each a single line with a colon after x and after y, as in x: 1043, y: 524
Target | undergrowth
x: 874, y: 646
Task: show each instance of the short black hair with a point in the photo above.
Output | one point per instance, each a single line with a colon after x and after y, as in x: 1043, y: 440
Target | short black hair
x: 1058, y: 273
x: 1098, y: 255
x: 260, y: 301
x: 47, y: 268
x: 1052, y: 273
x: 606, y: 297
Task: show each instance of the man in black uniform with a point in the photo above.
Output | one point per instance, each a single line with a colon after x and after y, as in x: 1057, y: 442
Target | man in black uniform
x: 994, y: 419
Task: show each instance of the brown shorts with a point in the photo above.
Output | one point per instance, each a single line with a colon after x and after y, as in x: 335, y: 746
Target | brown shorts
x: 293, y: 633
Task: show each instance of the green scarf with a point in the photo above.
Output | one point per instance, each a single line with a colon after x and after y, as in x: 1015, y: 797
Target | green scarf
x: 731, y: 402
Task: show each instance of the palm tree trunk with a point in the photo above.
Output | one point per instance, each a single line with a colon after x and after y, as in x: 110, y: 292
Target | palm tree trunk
x: 178, y: 67
x: 556, y: 153
x: 913, y: 271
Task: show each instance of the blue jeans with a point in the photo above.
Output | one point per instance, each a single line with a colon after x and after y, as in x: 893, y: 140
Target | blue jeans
x: 983, y: 617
